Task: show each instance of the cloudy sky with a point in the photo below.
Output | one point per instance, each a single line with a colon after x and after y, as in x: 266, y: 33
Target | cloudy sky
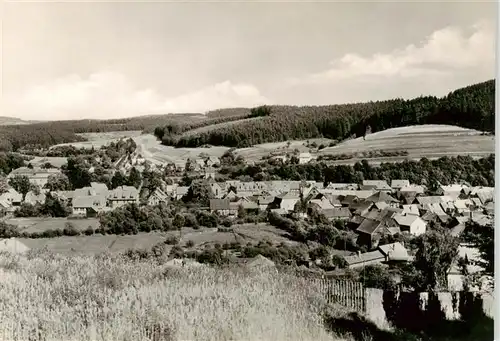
x: 104, y: 60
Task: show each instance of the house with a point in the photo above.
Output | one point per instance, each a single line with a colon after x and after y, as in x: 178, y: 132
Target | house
x: 394, y: 252
x: 411, y: 210
x: 305, y: 158
x: 430, y: 200
x: 287, y: 201
x: 37, y: 176
x: 398, y: 184
x: 66, y: 196
x: 448, y: 207
x: 223, y: 207
x: 248, y: 205
x: 218, y: 189
x: 264, y: 202
x: 180, y: 191
x: 322, y: 204
x: 407, y: 197
x: 453, y: 191
x: 378, y: 185
x: 361, y: 207
x: 413, y: 188
x: 157, y: 197
x: 340, y: 213
x: 11, y: 199
x: 213, y: 161
x: 364, y: 259
x: 180, y: 165
x: 35, y: 198
x: 88, y: 206
x: 94, y: 189
x: 352, y: 187
x: 123, y: 195
x: 381, y: 197
x: 411, y: 223
x: 370, y: 231
x: 462, y: 205
x: 209, y: 173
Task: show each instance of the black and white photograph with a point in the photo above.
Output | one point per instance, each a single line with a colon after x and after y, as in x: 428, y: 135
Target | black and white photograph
x: 247, y: 170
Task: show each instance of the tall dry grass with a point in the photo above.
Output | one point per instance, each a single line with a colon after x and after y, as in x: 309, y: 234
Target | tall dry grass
x: 53, y: 297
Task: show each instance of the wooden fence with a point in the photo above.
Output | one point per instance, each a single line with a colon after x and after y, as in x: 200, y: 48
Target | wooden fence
x: 349, y: 294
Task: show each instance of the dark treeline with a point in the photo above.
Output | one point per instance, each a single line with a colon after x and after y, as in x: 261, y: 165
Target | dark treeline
x: 43, y: 135
x: 446, y: 170
x: 171, y: 132
x: 470, y: 107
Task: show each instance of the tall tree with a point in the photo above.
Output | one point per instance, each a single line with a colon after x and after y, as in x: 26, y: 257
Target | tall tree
x: 58, y: 182
x: 21, y: 183
x: 134, y: 178
x: 437, y: 250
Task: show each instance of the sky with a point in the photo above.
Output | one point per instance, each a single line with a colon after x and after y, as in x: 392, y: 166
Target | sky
x: 74, y: 60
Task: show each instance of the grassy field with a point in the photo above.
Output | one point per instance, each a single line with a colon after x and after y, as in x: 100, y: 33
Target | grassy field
x: 95, y: 244
x: 97, y: 140
x: 36, y: 224
x: 431, y: 141
x: 107, y: 298
x: 152, y: 150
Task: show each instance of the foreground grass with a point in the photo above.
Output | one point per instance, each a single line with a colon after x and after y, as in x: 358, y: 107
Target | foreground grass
x: 53, y: 297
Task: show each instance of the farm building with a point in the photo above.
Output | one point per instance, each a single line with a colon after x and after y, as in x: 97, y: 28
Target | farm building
x: 37, y: 176
x: 223, y: 207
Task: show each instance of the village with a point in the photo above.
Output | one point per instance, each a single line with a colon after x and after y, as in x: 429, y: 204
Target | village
x: 373, y: 209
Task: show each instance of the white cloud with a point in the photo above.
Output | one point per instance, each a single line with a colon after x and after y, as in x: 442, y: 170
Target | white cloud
x: 111, y: 95
x: 444, y: 52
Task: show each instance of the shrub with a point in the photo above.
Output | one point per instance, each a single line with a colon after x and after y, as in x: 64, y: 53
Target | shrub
x: 172, y: 240
x: 70, y: 230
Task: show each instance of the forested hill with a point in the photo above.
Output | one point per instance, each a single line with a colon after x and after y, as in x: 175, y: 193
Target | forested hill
x: 45, y: 134
x: 470, y: 107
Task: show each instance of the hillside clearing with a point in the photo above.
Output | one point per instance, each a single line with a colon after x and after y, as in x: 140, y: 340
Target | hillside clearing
x: 97, y: 243
x: 97, y: 140
x: 431, y: 141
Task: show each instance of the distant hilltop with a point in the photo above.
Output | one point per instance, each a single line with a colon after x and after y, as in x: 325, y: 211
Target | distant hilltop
x: 4, y: 121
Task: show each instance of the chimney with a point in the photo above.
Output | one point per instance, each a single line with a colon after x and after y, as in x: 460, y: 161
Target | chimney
x: 358, y: 253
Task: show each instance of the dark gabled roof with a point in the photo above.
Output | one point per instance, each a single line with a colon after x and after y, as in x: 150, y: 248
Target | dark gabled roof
x: 408, y: 197
x: 356, y: 219
x: 361, y: 206
x: 381, y: 196
x: 349, y: 199
x: 341, y: 212
x: 368, y: 226
x: 219, y: 204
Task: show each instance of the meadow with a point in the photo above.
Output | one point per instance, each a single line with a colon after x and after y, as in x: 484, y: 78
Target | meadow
x: 431, y: 141
x: 106, y: 297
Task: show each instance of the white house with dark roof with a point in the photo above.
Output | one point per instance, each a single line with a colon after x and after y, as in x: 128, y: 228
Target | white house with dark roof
x: 411, y: 223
